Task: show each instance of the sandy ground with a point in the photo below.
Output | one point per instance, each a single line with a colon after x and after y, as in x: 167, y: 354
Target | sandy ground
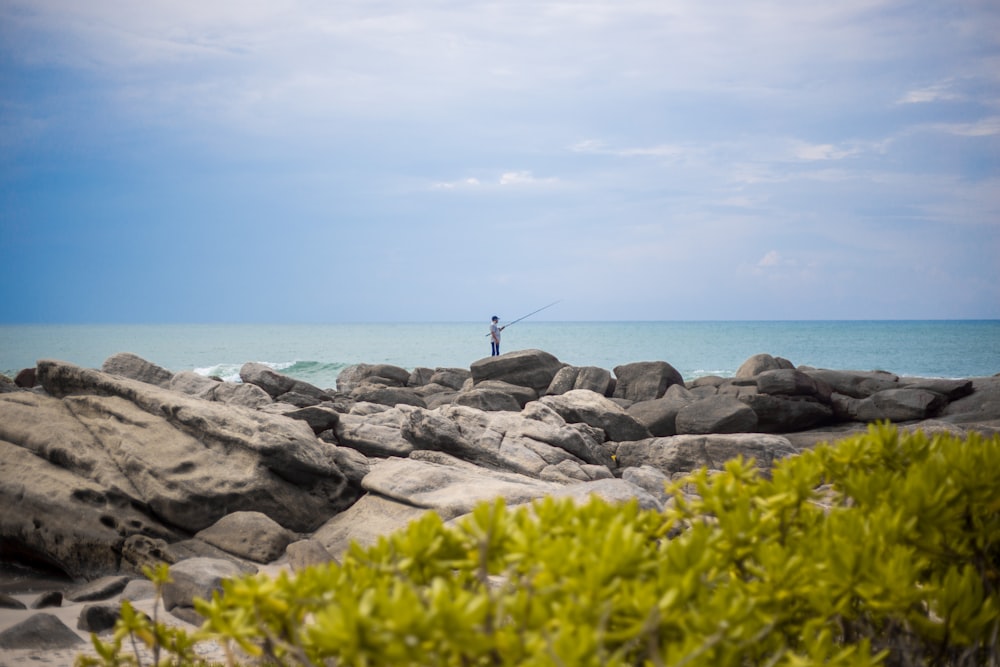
x: 69, y: 614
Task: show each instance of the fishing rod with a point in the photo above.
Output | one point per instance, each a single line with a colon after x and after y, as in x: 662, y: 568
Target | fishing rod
x: 529, y: 315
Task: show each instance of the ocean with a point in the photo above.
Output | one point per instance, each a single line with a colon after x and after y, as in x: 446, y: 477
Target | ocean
x: 317, y: 353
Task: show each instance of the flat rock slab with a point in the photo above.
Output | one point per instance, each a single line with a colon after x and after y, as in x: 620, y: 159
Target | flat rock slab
x: 41, y: 631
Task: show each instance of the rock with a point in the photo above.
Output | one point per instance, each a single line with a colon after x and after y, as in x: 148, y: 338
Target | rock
x: 526, y: 368
x: 231, y: 393
x: 611, y: 490
x: 682, y: 454
x: 894, y: 405
x: 950, y: 389
x: 790, y: 382
x: 448, y: 490
x: 7, y: 385
x: 375, y: 437
x: 305, y: 553
x: 588, y: 407
x: 982, y: 405
x: 109, y: 457
x: 856, y: 384
x: 48, y: 599
x: 524, y: 443
x: 391, y: 396
x: 318, y: 417
x: 759, y: 363
x: 8, y: 602
x: 140, y: 551
x: 786, y: 414
x: 659, y: 416
x: 195, y: 578
x: 43, y: 632
x: 133, y: 367
x: 209, y: 459
x: 249, y: 535
x: 569, y: 378
x: 25, y: 378
x: 353, y: 376
x: 487, y: 400
x: 365, y: 521
x: 645, y: 380
x: 716, y: 414
x: 523, y: 395
x: 98, y: 617
x: 100, y: 589
x: 653, y: 480
x: 277, y: 384
x: 139, y: 589
x: 453, y: 378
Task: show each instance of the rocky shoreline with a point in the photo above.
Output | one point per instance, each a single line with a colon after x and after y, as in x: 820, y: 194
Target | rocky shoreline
x: 103, y: 472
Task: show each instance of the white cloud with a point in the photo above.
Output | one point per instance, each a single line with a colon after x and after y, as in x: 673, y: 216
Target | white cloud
x: 772, y: 258
x: 985, y: 127
x: 596, y: 147
x: 939, y: 92
x: 812, y: 152
x: 524, y: 178
x: 470, y: 182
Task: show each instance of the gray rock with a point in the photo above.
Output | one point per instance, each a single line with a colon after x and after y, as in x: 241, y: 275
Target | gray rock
x: 391, y: 396
x: 645, y: 380
x: 195, y: 578
x: 304, y: 553
x: 140, y: 551
x: 786, y: 414
x: 453, y: 378
x: 653, y: 480
x: 950, y: 389
x: 386, y: 374
x: 48, y: 599
x: 448, y: 490
x: 790, y: 382
x: 588, y: 407
x: 99, y: 589
x: 611, y: 490
x: 487, y: 400
x: 139, y: 589
x: 856, y: 384
x: 98, y: 618
x: 8, y: 602
x: 895, y: 405
x: 319, y: 417
x: 759, y: 363
x: 128, y: 365
x: 682, y: 454
x: 374, y: 437
x: 659, y: 416
x: 249, y: 535
x: 42, y: 632
x: 527, y: 368
x: 277, y: 384
x: 982, y: 405
x: 523, y: 395
x: 364, y: 522
x: 716, y: 414
x: 569, y: 378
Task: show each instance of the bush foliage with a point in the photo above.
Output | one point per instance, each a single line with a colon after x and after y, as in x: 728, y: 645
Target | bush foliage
x: 882, y: 549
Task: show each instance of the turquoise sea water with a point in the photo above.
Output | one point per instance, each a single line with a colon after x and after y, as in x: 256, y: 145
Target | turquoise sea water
x: 317, y: 353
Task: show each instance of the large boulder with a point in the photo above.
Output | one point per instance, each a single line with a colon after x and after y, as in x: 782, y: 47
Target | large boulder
x: 385, y: 374
x: 895, y: 405
x: 759, y: 363
x: 232, y: 393
x: 487, y: 400
x: 791, y: 382
x: 40, y: 632
x: 981, y: 405
x: 453, y: 378
x: 377, y: 435
x: 134, y: 367
x: 527, y: 368
x: 588, y: 407
x: 856, y: 384
x: 277, y: 384
x: 581, y: 377
x: 195, y: 578
x: 384, y: 395
x: 249, y: 535
x: 681, y: 454
x: 785, y: 414
x: 716, y: 414
x: 645, y: 380
x: 103, y: 457
x: 659, y: 415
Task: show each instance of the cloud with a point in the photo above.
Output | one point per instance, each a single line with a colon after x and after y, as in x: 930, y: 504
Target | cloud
x: 596, y: 147
x: 524, y: 178
x: 772, y: 258
x: 938, y: 92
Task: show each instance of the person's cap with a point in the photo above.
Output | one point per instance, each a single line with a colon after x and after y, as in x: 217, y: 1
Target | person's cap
x: 495, y: 317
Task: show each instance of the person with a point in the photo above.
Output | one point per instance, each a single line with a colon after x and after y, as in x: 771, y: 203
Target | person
x: 495, y: 337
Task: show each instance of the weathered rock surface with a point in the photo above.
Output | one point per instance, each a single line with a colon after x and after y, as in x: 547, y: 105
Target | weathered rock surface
x: 41, y: 632
x: 195, y: 578
x: 108, y: 472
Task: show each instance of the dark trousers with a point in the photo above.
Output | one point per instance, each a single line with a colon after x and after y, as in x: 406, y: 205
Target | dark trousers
x: 494, y: 348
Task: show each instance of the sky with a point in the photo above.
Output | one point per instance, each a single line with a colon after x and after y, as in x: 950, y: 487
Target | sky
x: 299, y: 161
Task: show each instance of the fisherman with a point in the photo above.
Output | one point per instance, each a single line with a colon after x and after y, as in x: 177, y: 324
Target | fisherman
x: 495, y: 336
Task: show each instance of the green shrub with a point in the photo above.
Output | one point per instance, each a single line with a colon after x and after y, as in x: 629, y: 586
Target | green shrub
x: 881, y: 549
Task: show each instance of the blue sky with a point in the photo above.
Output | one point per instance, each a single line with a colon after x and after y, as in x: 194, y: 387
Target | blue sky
x: 401, y: 160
